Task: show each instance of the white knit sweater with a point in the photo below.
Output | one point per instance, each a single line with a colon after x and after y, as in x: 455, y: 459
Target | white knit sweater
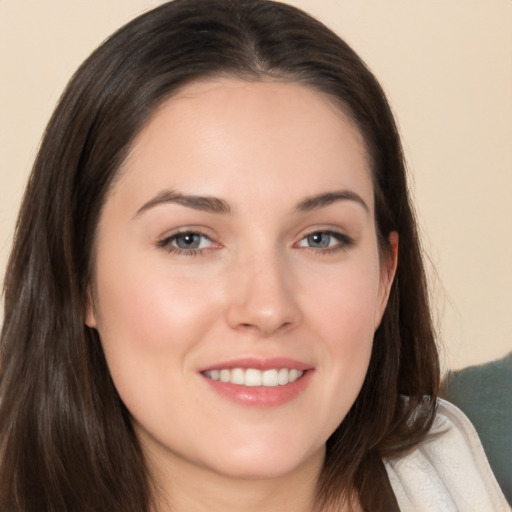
x: 448, y: 472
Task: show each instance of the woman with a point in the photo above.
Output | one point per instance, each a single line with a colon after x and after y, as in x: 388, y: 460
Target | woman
x: 216, y: 297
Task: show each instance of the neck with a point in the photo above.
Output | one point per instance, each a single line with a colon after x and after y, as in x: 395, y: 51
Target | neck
x: 184, y: 487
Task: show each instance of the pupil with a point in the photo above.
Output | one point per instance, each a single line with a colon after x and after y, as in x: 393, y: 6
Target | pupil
x: 319, y: 240
x: 189, y: 241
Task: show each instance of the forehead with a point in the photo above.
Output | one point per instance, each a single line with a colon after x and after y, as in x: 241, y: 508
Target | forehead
x: 227, y: 135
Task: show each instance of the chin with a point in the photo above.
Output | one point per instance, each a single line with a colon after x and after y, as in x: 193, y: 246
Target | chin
x: 264, y: 463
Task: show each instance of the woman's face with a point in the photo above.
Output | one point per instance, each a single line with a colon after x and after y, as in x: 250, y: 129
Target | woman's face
x: 237, y: 282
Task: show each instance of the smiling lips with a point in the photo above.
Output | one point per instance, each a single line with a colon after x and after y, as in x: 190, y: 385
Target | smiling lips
x: 261, y: 383
x: 252, y: 377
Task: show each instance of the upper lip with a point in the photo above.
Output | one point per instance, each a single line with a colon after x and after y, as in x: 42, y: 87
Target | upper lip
x: 259, y: 364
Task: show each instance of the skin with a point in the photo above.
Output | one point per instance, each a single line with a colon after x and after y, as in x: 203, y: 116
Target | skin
x: 257, y: 286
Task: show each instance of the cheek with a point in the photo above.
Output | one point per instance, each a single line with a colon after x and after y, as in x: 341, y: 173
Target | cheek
x: 149, y: 317
x: 148, y: 302
x: 345, y: 304
x: 343, y: 313
x: 149, y: 325
x: 349, y: 319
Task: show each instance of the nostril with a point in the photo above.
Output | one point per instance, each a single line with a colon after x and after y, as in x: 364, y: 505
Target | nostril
x: 265, y: 329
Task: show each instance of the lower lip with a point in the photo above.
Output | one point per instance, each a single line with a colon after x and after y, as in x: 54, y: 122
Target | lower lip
x: 261, y: 396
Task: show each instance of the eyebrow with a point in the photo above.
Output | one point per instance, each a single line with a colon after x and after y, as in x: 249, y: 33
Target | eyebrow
x: 216, y: 205
x: 203, y: 203
x: 328, y: 198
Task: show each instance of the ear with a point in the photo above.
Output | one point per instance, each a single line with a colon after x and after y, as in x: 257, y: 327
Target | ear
x: 387, y: 275
x: 90, y: 313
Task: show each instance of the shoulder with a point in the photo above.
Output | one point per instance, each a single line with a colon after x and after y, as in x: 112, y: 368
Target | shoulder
x: 448, y: 471
x: 483, y: 393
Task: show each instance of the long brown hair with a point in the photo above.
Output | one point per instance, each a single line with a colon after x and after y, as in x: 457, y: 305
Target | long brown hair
x: 66, y: 439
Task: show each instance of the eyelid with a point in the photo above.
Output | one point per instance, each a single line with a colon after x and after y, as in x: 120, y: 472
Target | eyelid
x: 345, y: 241
x: 166, y: 241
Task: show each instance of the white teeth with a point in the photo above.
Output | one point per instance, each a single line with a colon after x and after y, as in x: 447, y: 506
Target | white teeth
x: 252, y: 377
x: 282, y: 377
x: 237, y: 376
x: 270, y: 378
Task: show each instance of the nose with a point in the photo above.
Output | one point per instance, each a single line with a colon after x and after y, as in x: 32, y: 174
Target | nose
x: 261, y: 297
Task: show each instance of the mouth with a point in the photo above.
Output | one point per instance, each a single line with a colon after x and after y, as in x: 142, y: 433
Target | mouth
x: 259, y: 382
x: 253, y: 377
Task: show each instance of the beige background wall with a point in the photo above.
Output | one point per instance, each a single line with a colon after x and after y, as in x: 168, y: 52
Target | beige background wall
x: 447, y: 68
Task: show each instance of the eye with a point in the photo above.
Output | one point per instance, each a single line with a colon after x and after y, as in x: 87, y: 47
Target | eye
x: 187, y: 242
x: 326, y: 241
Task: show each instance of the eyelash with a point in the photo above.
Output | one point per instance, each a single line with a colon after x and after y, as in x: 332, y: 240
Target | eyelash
x: 167, y: 243
x: 344, y: 242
